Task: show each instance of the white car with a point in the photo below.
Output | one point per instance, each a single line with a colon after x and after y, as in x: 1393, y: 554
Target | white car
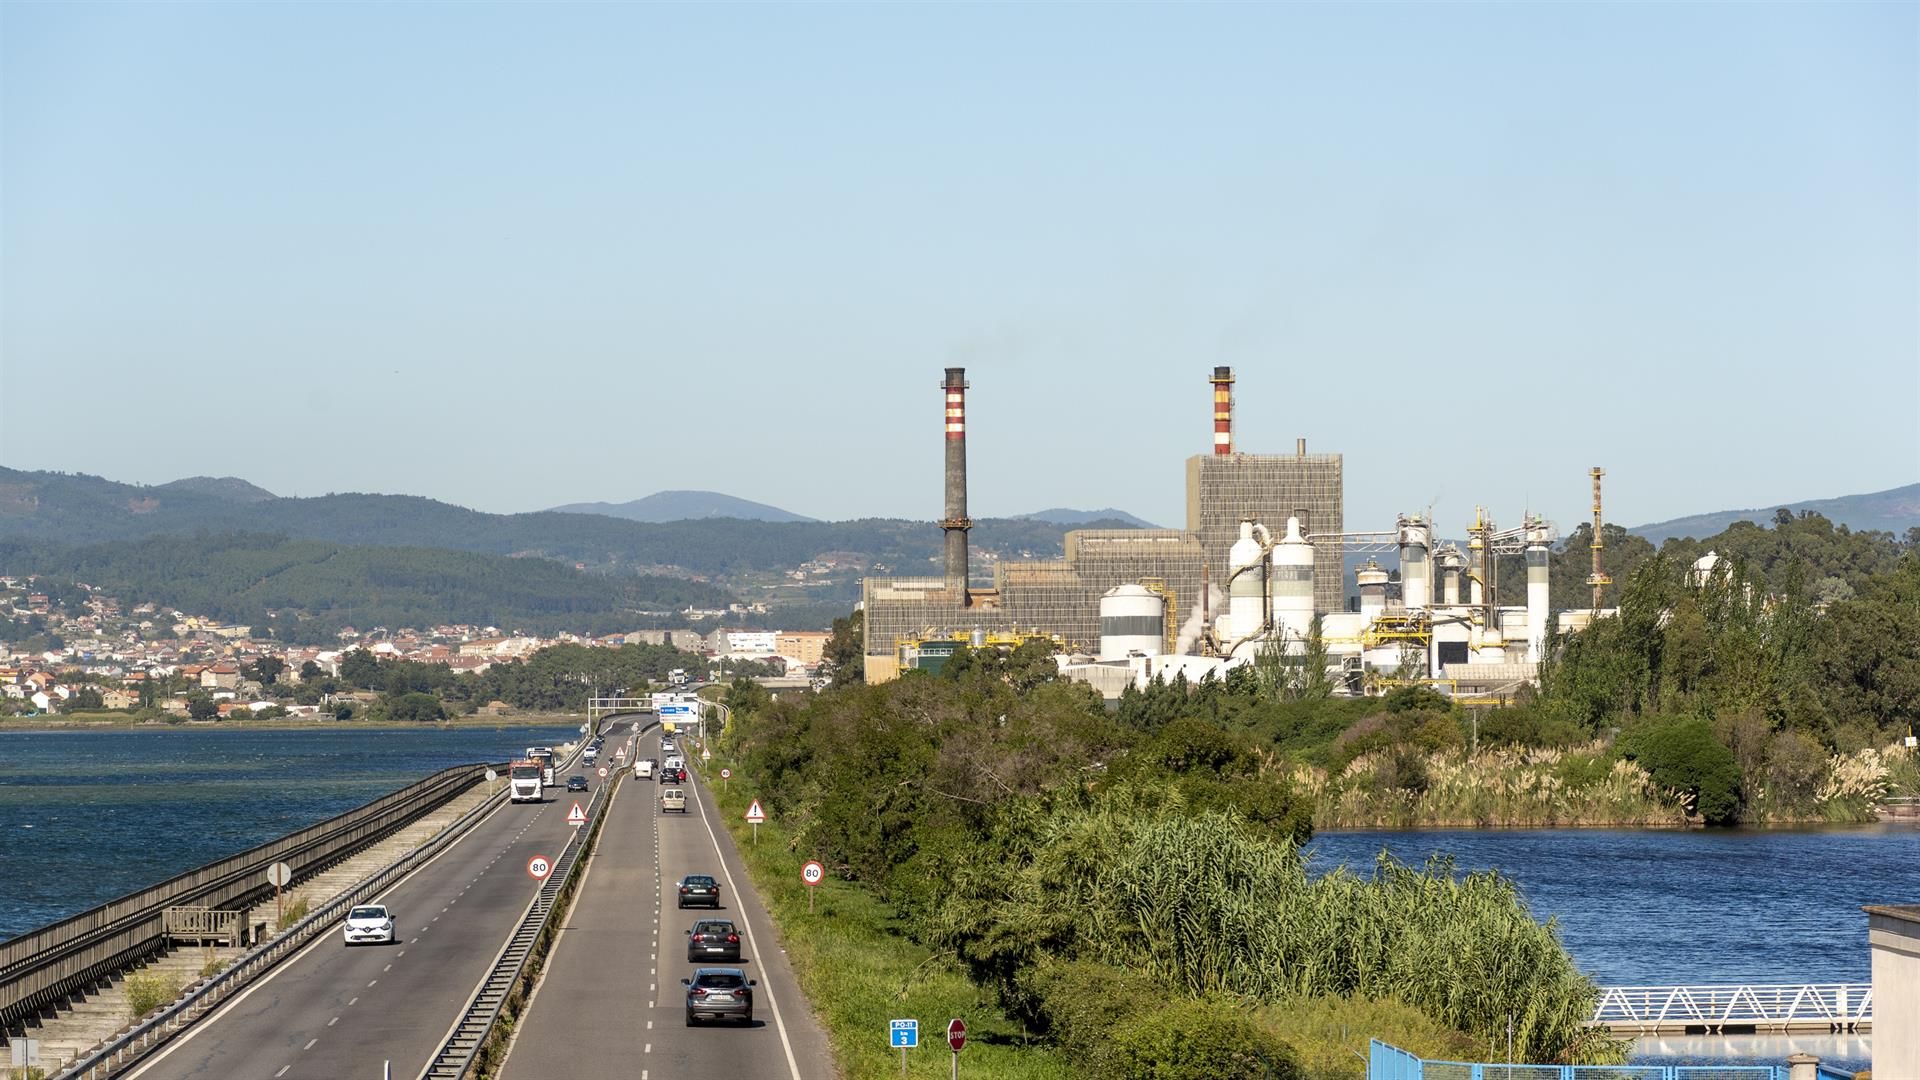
x: 369, y: 923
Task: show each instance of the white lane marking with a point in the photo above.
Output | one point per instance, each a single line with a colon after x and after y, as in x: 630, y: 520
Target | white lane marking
x: 648, y: 1050
x: 355, y: 1001
x: 401, y: 953
x: 318, y: 940
x: 389, y: 967
x: 766, y: 985
x: 333, y: 1021
x: 282, y: 1072
x: 310, y: 1043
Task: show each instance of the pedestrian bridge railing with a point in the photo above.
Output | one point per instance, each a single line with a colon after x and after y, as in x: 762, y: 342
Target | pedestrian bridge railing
x: 1735, y: 1009
x: 1388, y: 1062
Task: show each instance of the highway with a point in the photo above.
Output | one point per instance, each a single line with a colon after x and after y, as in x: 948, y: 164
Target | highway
x: 611, y: 1003
x: 334, y: 1013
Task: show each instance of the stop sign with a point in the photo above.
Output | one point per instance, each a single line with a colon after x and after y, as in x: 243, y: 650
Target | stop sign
x: 956, y: 1033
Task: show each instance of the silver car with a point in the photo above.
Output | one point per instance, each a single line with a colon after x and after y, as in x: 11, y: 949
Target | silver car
x: 719, y: 993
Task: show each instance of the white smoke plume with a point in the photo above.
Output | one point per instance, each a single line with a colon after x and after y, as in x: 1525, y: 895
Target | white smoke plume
x: 1196, y: 623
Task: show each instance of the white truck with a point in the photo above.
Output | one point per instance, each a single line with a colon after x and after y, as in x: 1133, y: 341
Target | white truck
x: 526, y: 779
x: 677, y: 677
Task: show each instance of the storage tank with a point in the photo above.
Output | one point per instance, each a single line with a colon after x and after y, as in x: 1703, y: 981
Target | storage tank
x: 1372, y: 579
x: 1291, y: 582
x: 1416, y: 580
x: 1247, y: 591
x: 1133, y: 619
x: 1488, y: 646
x: 1537, y: 592
x: 1450, y: 562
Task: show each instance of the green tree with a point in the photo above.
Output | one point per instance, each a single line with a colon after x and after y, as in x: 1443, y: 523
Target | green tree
x: 843, y: 659
x: 202, y: 708
x: 266, y: 670
x: 1683, y: 755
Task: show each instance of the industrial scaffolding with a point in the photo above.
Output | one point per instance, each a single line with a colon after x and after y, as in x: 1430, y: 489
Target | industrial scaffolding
x: 1222, y: 490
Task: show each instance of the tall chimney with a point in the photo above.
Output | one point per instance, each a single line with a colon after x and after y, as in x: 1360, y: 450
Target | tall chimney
x: 1598, y: 579
x: 1222, y: 381
x: 956, y: 522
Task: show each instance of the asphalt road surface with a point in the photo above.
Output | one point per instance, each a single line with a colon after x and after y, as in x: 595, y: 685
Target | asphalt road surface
x: 611, y: 1003
x: 339, y: 1013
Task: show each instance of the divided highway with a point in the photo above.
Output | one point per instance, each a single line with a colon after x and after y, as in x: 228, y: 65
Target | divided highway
x: 611, y: 1003
x: 335, y: 1013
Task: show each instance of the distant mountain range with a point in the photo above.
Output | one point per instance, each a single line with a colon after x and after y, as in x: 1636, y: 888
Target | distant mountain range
x: 231, y: 488
x: 1895, y: 511
x: 1062, y: 516
x: 684, y: 506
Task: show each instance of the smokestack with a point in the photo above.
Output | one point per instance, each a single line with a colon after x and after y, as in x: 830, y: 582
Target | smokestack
x: 1598, y: 579
x: 956, y: 522
x: 1222, y: 381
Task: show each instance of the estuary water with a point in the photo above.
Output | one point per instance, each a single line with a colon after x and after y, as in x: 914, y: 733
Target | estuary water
x: 90, y: 815
x: 1671, y: 907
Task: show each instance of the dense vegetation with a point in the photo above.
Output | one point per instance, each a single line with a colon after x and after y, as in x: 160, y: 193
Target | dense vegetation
x: 1136, y: 874
x: 86, y: 509
x: 305, y: 591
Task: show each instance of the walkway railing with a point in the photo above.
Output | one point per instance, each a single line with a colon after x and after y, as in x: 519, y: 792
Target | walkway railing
x: 1828, y: 1007
x: 1387, y: 1062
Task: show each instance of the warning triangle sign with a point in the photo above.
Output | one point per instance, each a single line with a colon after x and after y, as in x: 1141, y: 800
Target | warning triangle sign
x: 576, y: 816
x: 755, y: 813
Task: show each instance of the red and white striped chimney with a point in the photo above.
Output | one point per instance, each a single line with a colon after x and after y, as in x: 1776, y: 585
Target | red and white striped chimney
x: 956, y: 522
x: 1222, y: 381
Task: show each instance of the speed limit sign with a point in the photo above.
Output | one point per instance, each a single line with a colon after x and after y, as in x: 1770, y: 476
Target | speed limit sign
x: 603, y: 772
x: 726, y: 774
x: 539, y: 867
x: 813, y: 873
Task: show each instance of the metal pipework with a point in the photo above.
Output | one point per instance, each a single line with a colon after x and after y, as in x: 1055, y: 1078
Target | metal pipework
x: 1598, y: 579
x: 956, y: 523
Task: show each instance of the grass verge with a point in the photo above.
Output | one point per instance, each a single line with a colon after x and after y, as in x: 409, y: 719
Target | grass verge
x: 859, y: 969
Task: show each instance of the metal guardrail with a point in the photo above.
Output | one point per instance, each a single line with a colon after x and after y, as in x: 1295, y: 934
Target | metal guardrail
x: 1829, y: 1007
x: 58, y: 961
x: 454, y: 1058
x: 155, y: 1031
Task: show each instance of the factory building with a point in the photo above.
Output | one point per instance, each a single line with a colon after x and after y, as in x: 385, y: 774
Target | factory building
x: 1061, y: 599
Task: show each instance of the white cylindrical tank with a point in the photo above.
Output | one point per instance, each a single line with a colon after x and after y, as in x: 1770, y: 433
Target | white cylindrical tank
x: 1133, y: 619
x: 1291, y: 577
x: 1247, y: 592
x: 1488, y: 648
x: 1416, y: 574
x: 1372, y: 580
x: 1450, y: 562
x: 1537, y: 592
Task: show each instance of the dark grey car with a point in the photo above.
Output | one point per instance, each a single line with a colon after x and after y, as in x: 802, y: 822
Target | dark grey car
x: 713, y: 939
x: 718, y: 994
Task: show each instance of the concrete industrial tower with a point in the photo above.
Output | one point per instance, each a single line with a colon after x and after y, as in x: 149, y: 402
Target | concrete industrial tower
x: 956, y: 523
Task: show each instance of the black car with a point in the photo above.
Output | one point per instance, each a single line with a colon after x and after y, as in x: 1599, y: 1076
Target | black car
x: 576, y: 783
x: 673, y: 776
x: 713, y: 939
x: 699, y: 890
x: 716, y: 993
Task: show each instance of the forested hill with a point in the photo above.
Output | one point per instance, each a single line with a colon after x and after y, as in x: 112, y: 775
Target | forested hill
x: 73, y: 508
x: 305, y: 591
x: 1895, y: 510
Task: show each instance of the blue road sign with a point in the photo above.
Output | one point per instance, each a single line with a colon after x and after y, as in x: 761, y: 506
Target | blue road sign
x: 904, y: 1034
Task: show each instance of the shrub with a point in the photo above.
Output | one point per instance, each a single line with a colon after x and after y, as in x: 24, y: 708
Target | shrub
x: 148, y: 990
x: 293, y: 913
x: 1328, y: 1033
x: 1198, y: 1040
x: 1684, y: 755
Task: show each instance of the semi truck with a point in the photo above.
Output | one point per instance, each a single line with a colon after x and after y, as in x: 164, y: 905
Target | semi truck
x: 526, y: 779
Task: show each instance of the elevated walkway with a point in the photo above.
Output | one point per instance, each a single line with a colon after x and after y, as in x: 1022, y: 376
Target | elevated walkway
x: 1834, y: 1008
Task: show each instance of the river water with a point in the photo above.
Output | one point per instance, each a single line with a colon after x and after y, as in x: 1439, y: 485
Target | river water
x: 90, y: 815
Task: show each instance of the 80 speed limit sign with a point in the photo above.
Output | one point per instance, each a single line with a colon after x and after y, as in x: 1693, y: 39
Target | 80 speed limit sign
x: 813, y: 873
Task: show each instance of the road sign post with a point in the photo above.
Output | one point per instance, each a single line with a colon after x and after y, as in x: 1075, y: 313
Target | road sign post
x: 956, y: 1038
x: 577, y: 816
x: 755, y: 815
x: 725, y: 775
x: 811, y: 875
x: 279, y: 875
x: 539, y: 867
x: 904, y: 1034
x: 491, y: 777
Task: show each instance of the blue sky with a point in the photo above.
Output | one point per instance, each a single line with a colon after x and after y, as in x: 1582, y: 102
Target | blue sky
x: 512, y: 256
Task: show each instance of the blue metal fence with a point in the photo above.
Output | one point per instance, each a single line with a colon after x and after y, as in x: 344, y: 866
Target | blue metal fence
x: 1386, y: 1062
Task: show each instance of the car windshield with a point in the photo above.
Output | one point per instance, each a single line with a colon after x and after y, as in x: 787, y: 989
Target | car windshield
x: 720, y: 980
x: 368, y: 913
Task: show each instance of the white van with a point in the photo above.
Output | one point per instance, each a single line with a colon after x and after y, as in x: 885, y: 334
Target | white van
x: 676, y: 762
x: 643, y: 769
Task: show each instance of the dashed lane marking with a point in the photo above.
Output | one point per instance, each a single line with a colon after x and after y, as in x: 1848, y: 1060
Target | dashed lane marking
x: 310, y: 1043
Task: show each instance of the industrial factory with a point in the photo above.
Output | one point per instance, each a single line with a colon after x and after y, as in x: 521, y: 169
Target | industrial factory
x: 1258, y: 572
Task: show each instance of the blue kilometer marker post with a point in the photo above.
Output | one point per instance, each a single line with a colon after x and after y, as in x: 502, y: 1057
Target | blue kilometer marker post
x: 904, y: 1034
